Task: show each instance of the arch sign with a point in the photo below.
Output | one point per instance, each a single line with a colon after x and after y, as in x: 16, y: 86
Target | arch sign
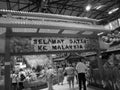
x: 41, y: 44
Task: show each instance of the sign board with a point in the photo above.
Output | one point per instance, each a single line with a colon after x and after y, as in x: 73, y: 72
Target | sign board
x: 19, y: 45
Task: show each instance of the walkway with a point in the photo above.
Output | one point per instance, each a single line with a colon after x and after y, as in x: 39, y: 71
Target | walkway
x: 66, y: 87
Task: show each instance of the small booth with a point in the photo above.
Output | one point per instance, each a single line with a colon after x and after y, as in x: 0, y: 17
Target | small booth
x: 28, y: 33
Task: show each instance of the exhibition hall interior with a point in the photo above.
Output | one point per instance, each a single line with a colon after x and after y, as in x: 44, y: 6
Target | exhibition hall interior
x: 59, y: 44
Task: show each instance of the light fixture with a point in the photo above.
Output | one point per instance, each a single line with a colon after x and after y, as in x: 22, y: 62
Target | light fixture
x: 98, y: 7
x: 113, y: 10
x: 53, y: 55
x: 100, y: 33
x: 88, y: 7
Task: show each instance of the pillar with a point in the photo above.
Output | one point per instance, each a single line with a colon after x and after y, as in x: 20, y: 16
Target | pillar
x: 7, y: 60
x: 99, y: 60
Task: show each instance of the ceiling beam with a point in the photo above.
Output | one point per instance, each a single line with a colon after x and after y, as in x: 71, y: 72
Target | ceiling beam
x: 48, y: 9
x: 32, y: 10
x: 54, y: 2
x: 40, y: 5
x: 104, y: 10
x: 26, y: 6
x: 14, y: 5
x: 85, y: 13
x: 72, y: 8
x: 68, y: 5
x: 18, y: 2
x: 8, y: 4
x: 113, y: 16
x: 64, y: 5
x: 13, y: 1
x: 51, y: 35
x: 58, y: 7
x: 64, y: 11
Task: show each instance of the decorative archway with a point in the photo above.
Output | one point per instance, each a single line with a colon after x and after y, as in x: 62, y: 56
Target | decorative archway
x: 28, y: 33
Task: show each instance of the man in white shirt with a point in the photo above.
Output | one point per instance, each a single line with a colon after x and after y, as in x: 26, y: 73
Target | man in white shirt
x: 81, y: 69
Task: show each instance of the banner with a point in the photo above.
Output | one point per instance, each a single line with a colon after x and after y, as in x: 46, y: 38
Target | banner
x: 113, y: 25
x: 110, y: 43
x: 19, y: 45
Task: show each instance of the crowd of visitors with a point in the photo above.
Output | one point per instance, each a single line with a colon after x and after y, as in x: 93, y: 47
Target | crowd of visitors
x: 49, y: 73
x: 22, y: 75
x: 77, y: 70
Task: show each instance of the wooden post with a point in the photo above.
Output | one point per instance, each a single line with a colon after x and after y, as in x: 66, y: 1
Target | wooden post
x: 0, y: 69
x: 7, y: 60
x: 99, y: 60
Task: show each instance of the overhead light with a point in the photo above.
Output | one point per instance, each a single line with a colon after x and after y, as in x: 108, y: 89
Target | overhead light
x: 53, y: 55
x: 113, y: 10
x: 98, y: 7
x: 100, y: 33
x: 88, y: 7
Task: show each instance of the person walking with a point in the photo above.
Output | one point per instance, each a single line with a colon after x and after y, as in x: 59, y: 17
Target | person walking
x: 60, y: 75
x: 14, y: 80
x: 76, y: 74
x: 22, y: 77
x: 70, y: 71
x: 81, y: 69
x: 50, y: 74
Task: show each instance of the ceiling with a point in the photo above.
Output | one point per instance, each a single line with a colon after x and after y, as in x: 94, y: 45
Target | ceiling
x: 100, y: 9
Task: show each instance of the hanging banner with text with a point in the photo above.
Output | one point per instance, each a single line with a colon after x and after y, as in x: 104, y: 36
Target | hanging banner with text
x: 51, y: 44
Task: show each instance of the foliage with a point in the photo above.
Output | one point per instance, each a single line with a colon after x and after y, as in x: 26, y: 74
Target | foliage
x: 38, y: 68
x: 111, y: 74
x: 37, y: 60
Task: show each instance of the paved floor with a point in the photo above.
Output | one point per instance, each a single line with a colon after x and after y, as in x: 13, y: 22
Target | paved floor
x: 65, y: 86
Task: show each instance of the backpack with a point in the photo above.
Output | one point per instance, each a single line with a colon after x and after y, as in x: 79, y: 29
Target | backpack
x: 22, y: 77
